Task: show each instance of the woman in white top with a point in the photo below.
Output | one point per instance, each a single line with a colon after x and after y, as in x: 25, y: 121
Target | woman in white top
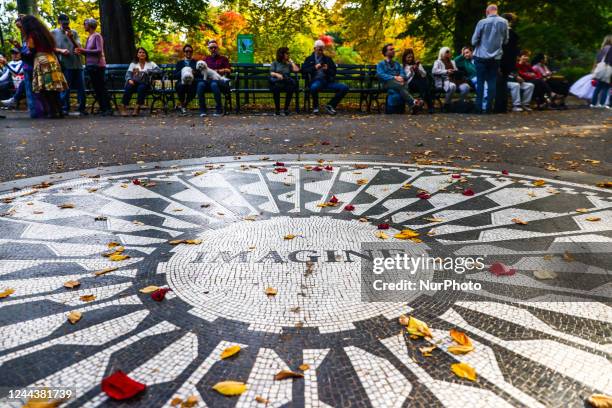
x: 417, y: 77
x: 443, y: 71
x: 138, y: 79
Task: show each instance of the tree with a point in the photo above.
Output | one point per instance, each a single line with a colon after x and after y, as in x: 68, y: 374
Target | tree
x: 117, y: 30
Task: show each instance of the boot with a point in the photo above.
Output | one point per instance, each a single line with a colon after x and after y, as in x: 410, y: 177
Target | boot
x: 122, y: 110
x: 136, y: 111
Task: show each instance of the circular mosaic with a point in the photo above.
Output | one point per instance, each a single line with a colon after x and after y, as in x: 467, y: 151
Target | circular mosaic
x: 268, y: 256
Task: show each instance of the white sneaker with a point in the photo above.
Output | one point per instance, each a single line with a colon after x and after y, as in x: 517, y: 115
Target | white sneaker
x: 517, y: 109
x: 595, y: 106
x: 9, y: 103
x: 527, y: 108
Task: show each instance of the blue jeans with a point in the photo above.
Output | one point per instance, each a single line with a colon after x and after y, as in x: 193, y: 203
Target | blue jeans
x: 19, y: 92
x: 76, y: 80
x: 320, y: 84
x: 215, y: 88
x: 601, y: 90
x: 486, y: 71
x: 141, y: 92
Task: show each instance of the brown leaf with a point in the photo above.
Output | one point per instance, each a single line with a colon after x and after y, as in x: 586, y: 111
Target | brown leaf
x: 519, y: 221
x: 271, y: 291
x: 88, y: 298
x: 600, y: 401
x: 593, y: 219
x: 66, y: 205
x: 304, y: 367
x: 284, y: 374
x: 72, y: 284
x: 74, y: 316
x: 262, y: 400
x: 149, y: 289
x: 105, y: 271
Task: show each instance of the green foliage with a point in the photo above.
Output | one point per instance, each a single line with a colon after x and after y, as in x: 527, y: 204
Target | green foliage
x: 347, y: 55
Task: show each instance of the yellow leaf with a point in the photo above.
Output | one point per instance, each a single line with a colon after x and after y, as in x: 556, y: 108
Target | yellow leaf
x: 600, y: 401
x: 460, y: 349
x: 190, y: 402
x: 6, y: 293
x: 362, y: 182
x: 230, y: 388
x: 192, y: 241
x: 538, y: 182
x: 433, y: 219
x: 118, y: 257
x: 74, y: 316
x: 175, y: 401
x: 593, y: 219
x: 464, y: 370
x: 304, y: 367
x: 289, y: 236
x: 426, y: 351
x: 271, y: 291
x: 581, y: 210
x: 519, y: 221
x: 88, y: 298
x: 42, y: 403
x: 149, y: 289
x: 460, y: 337
x: 404, y: 320
x: 106, y: 270
x: 230, y: 351
x: 283, y: 374
x: 262, y: 400
x: 381, y: 235
x: 113, y: 244
x: 406, y: 186
x: 543, y: 274
x: 406, y: 234
x: 419, y: 328
x: 71, y: 284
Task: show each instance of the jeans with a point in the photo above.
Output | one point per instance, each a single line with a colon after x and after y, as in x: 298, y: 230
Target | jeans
x: 288, y: 85
x: 486, y: 71
x: 185, y: 93
x: 601, y: 90
x: 215, y: 88
x: 19, y: 92
x: 400, y: 88
x: 421, y: 85
x: 30, y: 97
x: 141, y: 92
x: 76, y: 80
x: 320, y: 84
x: 521, y: 93
x: 98, y: 83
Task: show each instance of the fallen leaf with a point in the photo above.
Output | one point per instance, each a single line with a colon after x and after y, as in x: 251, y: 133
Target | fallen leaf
x: 538, y: 183
x: 105, y: 270
x: 468, y: 192
x: 42, y: 403
x: 519, y: 221
x: 160, y: 294
x: 593, y: 219
x: 185, y: 241
x: 190, y: 402
x: 304, y: 367
x: 424, y: 195
x: 582, y: 210
x: 72, y: 284
x: 289, y: 236
x: 88, y: 298
x: 433, y: 219
x: 118, y: 257
x: 360, y: 166
x: 426, y: 351
x: 604, y: 184
x: 175, y: 401
x: 230, y: 388
x: 230, y: 351
x: 464, y: 370
x: 567, y: 257
x: 149, y: 289
x: 406, y: 234
x: 262, y: 400
x: 284, y: 374
x: 6, y: 293
x: 460, y: 337
x: 66, y: 205
x: 600, y: 401
x: 271, y: 291
x: 113, y: 244
x: 381, y: 235
x: 460, y: 349
x: 119, y: 386
x: 349, y: 207
x: 418, y: 328
x: 362, y: 182
x: 500, y: 269
x: 74, y: 316
x: 383, y: 226
x: 544, y: 274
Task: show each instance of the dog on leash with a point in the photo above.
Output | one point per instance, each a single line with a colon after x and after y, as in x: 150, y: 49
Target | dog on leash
x: 208, y: 73
x: 187, y: 76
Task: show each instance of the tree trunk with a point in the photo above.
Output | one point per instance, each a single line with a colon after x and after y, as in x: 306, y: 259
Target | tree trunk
x: 467, y: 14
x: 117, y: 30
x: 27, y: 7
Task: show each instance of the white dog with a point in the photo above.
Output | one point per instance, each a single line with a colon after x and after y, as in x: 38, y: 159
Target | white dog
x: 186, y: 76
x: 208, y: 73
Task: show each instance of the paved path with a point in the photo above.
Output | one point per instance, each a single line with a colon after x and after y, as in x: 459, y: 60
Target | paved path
x: 276, y: 271
x: 572, y: 140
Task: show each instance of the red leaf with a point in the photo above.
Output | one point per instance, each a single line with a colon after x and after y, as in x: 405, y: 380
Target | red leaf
x: 279, y: 164
x: 424, y: 195
x: 328, y: 168
x: 456, y: 176
x: 383, y: 226
x: 349, y: 207
x: 505, y: 172
x: 160, y: 294
x: 468, y: 192
x: 317, y: 168
x: 281, y: 170
x: 119, y: 386
x: 499, y: 269
x: 325, y: 143
x: 136, y: 181
x: 333, y: 200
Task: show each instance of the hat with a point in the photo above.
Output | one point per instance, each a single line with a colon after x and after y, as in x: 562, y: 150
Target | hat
x: 318, y: 44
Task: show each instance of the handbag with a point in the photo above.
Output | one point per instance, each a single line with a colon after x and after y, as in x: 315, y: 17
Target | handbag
x: 603, y: 71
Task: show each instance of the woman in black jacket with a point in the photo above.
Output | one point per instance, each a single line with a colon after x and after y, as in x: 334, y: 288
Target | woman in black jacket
x: 184, y: 90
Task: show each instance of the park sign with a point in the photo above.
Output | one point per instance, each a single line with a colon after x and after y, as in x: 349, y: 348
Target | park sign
x: 246, y: 48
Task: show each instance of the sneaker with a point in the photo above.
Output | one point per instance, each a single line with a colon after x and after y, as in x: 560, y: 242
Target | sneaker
x: 517, y: 109
x: 276, y: 113
x: 183, y: 111
x: 315, y: 111
x: 330, y: 109
x: 286, y: 112
x: 607, y: 107
x: 526, y: 108
x: 595, y: 106
x: 74, y: 113
x: 217, y: 113
x: 202, y: 114
x: 9, y: 103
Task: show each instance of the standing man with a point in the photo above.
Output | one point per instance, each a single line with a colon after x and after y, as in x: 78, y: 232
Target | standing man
x: 67, y: 40
x: 221, y: 65
x: 392, y: 76
x: 489, y: 37
x: 321, y: 72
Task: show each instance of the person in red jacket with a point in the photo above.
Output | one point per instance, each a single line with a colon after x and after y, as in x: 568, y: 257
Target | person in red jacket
x: 542, y: 91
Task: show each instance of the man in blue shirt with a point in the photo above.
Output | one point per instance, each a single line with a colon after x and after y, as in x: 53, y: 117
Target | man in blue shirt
x: 392, y: 76
x: 490, y: 35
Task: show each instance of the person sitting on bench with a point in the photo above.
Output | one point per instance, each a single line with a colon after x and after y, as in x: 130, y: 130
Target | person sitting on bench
x: 393, y: 77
